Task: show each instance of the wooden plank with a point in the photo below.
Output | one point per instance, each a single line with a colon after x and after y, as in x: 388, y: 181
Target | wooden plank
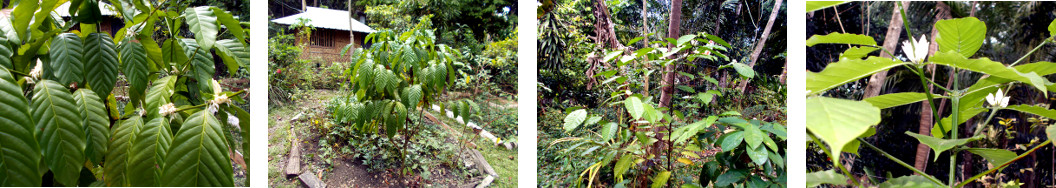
x: 293, y: 166
x: 312, y: 181
x: 482, y: 164
x: 487, y: 181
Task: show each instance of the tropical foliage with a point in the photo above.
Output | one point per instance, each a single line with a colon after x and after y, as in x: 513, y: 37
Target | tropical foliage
x: 63, y: 125
x: 840, y: 127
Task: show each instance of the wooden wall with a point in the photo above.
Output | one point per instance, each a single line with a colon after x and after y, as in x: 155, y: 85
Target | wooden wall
x: 326, y: 45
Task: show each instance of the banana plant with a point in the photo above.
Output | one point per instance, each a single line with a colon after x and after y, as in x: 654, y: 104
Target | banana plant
x: 60, y: 116
x: 838, y: 126
x: 399, y: 74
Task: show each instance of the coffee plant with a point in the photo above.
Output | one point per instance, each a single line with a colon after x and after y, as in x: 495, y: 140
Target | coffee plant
x: 656, y: 146
x: 839, y: 126
x: 60, y: 118
x: 399, y: 74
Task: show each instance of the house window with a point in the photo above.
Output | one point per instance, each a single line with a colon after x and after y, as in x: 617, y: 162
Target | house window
x: 323, y: 37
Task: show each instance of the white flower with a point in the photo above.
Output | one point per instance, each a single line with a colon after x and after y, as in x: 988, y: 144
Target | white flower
x: 916, y: 51
x: 167, y: 109
x: 37, y: 70
x: 997, y: 100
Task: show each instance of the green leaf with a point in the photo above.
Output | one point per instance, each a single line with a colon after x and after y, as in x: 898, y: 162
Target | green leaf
x: 898, y: 99
x: 233, y: 53
x: 847, y: 70
x: 687, y: 89
x: 22, y: 16
x: 858, y: 52
x: 95, y: 123
x: 159, y: 94
x: 412, y: 95
x: 661, y: 179
x: 758, y: 155
x: 59, y: 131
x: 962, y: 35
x: 1051, y: 132
x: 1052, y: 28
x: 986, y: 66
x: 939, y: 145
x: 634, y: 107
x: 136, y: 68
x: 685, y: 38
x: 204, y: 159
x: 66, y: 55
x: 612, y: 55
x: 839, y: 121
x: 173, y: 52
x: 622, y: 165
x: 730, y: 177
x: 995, y: 156
x: 608, y: 131
x: 841, y: 38
x: 818, y: 5
x: 202, y: 67
x: 151, y: 146
x: 743, y: 69
x: 19, y: 163
x: 233, y: 26
x: 914, y: 181
x: 202, y: 22
x: 830, y: 177
x: 947, y: 124
x: 752, y: 135
x: 6, y: 52
x: 101, y: 63
x: 709, y: 172
x: 731, y: 140
x: 119, y: 157
x: 1036, y: 110
x: 575, y: 119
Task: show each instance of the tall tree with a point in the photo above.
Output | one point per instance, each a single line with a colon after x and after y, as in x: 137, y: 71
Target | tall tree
x: 668, y: 81
x: 762, y: 41
x: 645, y: 38
x: 351, y: 33
x: 894, y: 30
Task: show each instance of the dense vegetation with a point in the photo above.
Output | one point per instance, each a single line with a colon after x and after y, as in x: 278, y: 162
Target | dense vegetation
x: 995, y: 80
x: 624, y: 105
x: 404, y: 107
x: 82, y: 107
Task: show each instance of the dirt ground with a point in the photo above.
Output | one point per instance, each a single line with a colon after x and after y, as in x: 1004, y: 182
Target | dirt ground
x: 344, y: 172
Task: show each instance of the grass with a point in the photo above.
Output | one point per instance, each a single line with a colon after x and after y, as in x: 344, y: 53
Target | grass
x: 504, y: 161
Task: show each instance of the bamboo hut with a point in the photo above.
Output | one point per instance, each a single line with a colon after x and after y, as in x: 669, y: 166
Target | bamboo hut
x: 331, y: 32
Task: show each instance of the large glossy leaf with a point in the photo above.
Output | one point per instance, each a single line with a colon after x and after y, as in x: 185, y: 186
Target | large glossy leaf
x: 622, y: 165
x: 159, y: 94
x: 661, y: 179
x: 151, y: 146
x: 947, y: 124
x: 986, y: 66
x: 233, y: 53
x: 21, y: 17
x: 230, y: 23
x: 6, y: 51
x: 898, y: 99
x: 19, y: 152
x: 841, y: 38
x: 743, y: 69
x: 858, y: 52
x: 59, y: 130
x: 995, y: 156
x: 1036, y: 110
x: 201, y: 64
x: 752, y: 135
x: 839, y: 121
x: 136, y: 68
x: 1051, y: 132
x: 939, y: 145
x: 202, y: 151
x: 818, y: 5
x: 730, y: 177
x: 172, y: 52
x: 202, y: 22
x: 574, y: 119
x: 914, y: 181
x: 119, y: 157
x: 962, y: 35
x: 412, y: 95
x: 66, y: 56
x: 830, y: 177
x: 634, y: 107
x: 759, y: 155
x: 101, y: 63
x: 730, y: 141
x: 847, y: 70
x: 95, y: 123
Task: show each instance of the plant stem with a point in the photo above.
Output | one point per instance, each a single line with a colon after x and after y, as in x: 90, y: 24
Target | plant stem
x: 932, y: 82
x: 996, y: 168
x: 835, y: 163
x: 1028, y: 53
x: 910, y: 167
x: 931, y: 97
x: 955, y: 99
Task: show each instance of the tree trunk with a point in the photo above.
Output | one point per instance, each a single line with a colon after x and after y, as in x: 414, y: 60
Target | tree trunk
x: 668, y: 82
x: 351, y: 34
x: 762, y: 42
x: 927, y: 118
x: 894, y: 30
x: 606, y: 35
x: 645, y: 39
x: 304, y: 6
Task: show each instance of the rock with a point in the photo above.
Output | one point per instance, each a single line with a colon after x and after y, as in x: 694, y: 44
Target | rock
x: 487, y: 181
x: 508, y: 145
x: 312, y: 181
x: 293, y: 166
